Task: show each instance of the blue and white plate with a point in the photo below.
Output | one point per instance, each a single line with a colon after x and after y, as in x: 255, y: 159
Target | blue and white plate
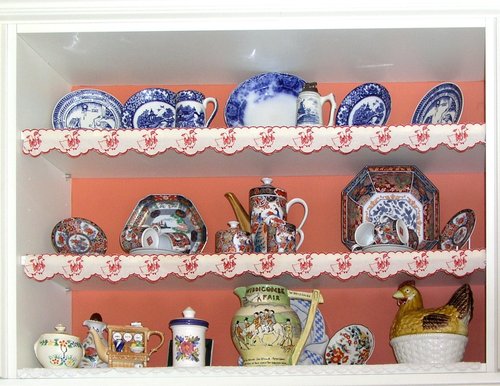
x: 442, y: 104
x: 87, y: 109
x: 149, y: 108
x: 268, y: 99
x: 368, y: 104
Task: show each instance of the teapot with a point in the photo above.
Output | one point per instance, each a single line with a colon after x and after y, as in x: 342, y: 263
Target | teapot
x: 266, y: 202
x: 266, y: 331
x: 91, y: 358
x: 127, y: 345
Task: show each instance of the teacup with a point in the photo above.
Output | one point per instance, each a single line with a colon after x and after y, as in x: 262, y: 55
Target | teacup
x: 282, y: 236
x: 190, y: 109
x: 388, y: 231
x: 155, y: 237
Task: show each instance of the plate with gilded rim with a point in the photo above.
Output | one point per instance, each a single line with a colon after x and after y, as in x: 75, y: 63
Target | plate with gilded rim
x: 172, y: 213
x: 87, y: 109
x: 366, y: 105
x: 149, y: 108
x: 442, y: 104
x: 458, y: 230
x: 394, y: 191
x: 351, y: 345
x: 268, y: 99
x: 77, y: 235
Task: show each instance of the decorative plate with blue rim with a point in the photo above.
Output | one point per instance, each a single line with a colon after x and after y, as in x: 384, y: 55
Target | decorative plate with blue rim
x: 366, y: 105
x: 149, y: 108
x: 87, y: 109
x: 268, y: 99
x: 314, y: 349
x: 442, y: 104
x: 77, y: 235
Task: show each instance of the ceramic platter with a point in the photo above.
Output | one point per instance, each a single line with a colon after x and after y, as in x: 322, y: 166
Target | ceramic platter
x: 76, y: 235
x: 314, y: 349
x: 458, y: 230
x: 172, y: 213
x: 87, y: 109
x: 368, y: 104
x: 442, y: 104
x: 352, y: 345
x: 150, y: 108
x: 395, y: 191
x: 268, y: 99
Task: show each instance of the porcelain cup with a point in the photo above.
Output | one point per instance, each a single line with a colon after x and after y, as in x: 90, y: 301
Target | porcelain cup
x: 283, y: 237
x: 387, y: 231
x: 156, y: 238
x: 191, y: 107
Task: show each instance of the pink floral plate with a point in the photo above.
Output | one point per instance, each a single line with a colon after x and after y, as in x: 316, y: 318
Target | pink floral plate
x: 76, y: 235
x: 351, y: 345
x: 458, y: 230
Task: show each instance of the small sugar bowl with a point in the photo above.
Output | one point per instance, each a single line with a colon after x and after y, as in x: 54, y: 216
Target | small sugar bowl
x: 233, y: 240
x: 58, y: 350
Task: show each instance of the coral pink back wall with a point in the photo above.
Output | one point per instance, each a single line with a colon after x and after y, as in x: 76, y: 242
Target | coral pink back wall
x: 108, y: 202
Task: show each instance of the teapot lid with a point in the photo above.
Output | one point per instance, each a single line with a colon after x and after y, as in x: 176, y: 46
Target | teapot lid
x: 267, y: 189
x: 312, y: 86
x: 188, y: 319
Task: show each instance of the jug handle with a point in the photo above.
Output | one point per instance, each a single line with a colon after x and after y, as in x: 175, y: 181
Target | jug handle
x: 315, y: 299
x: 331, y: 99
x: 206, y: 101
x: 162, y: 339
x: 306, y: 209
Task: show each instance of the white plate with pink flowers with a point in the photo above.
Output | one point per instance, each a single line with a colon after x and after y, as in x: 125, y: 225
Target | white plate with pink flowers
x: 351, y: 345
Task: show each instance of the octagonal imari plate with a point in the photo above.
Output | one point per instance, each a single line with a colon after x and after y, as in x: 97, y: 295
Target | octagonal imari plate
x: 395, y: 191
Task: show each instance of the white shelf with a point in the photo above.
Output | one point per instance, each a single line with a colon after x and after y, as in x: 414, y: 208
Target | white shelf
x: 257, y: 150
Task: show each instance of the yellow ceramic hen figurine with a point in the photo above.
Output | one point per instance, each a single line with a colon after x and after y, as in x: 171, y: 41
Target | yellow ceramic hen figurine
x: 412, y: 318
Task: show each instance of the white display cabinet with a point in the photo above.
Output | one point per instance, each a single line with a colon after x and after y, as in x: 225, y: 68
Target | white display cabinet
x: 46, y: 53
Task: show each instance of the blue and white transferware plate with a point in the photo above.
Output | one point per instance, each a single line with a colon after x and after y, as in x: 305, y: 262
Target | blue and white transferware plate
x: 442, y: 104
x: 368, y: 104
x: 268, y: 99
x: 87, y: 109
x: 149, y: 108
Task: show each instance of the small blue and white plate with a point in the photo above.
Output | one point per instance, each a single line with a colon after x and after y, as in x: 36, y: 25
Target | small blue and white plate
x: 268, y: 99
x: 441, y: 105
x: 87, y: 109
x: 366, y: 105
x: 149, y: 108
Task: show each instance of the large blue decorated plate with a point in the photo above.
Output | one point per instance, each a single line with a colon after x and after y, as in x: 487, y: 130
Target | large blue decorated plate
x: 442, y: 104
x: 268, y: 99
x: 366, y: 105
x: 150, y: 108
x: 87, y: 109
x: 397, y: 191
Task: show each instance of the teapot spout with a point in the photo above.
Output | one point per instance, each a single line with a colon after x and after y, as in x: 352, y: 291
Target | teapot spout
x: 101, y: 347
x: 241, y: 214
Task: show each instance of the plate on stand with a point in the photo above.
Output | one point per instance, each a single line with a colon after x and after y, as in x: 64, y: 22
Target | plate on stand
x: 351, y: 345
x: 368, y: 104
x: 149, y: 108
x: 77, y: 235
x: 268, y: 99
x: 172, y: 213
x: 87, y: 109
x: 458, y: 230
x: 443, y: 104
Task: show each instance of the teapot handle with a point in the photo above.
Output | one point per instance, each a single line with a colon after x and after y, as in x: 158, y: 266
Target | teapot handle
x: 162, y: 339
x: 331, y: 99
x: 306, y: 209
